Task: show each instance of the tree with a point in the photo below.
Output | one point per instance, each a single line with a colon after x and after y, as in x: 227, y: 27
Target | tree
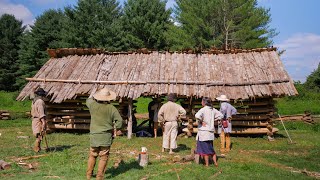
x: 11, y: 30
x: 145, y: 23
x: 220, y: 23
x: 45, y: 33
x: 94, y: 23
x: 313, y: 80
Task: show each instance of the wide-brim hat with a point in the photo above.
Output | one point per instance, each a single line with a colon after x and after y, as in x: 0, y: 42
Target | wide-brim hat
x: 105, y: 95
x: 40, y: 92
x: 223, y: 98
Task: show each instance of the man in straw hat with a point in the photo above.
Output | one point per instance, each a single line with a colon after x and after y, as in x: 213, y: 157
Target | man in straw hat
x: 38, y: 113
x: 104, y: 117
x: 225, y: 127
x: 169, y: 114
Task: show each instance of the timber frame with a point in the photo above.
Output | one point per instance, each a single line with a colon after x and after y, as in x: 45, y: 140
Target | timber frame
x: 251, y: 78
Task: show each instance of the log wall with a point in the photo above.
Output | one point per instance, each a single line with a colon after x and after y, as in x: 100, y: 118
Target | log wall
x: 254, y: 116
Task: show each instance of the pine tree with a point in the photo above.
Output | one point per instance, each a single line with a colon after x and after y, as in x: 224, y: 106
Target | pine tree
x: 203, y: 24
x: 313, y: 80
x: 45, y: 33
x: 11, y: 30
x: 93, y: 24
x: 145, y: 23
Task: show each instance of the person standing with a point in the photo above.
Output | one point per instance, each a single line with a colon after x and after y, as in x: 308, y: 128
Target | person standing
x: 206, y: 118
x: 168, y: 115
x: 225, y: 126
x: 38, y: 113
x: 104, y: 117
x: 153, y: 109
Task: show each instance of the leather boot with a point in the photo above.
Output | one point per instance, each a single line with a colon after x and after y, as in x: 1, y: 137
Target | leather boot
x: 222, y: 142
x: 36, y: 147
x: 102, y: 166
x: 228, y: 142
x: 91, y: 164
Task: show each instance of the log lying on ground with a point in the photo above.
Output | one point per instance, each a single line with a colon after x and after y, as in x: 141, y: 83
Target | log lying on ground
x: 4, y: 165
x: 296, y: 117
x: 4, y: 115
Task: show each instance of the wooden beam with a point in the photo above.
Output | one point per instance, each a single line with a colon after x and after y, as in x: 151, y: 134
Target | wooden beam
x: 207, y: 83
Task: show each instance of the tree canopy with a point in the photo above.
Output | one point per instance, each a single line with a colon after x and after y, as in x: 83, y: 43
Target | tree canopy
x: 93, y: 24
x: 313, y: 80
x: 204, y: 24
x: 145, y: 23
x: 11, y: 31
x: 45, y: 33
x: 194, y: 24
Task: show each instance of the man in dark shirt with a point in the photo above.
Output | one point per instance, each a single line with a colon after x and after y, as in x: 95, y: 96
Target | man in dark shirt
x: 104, y: 117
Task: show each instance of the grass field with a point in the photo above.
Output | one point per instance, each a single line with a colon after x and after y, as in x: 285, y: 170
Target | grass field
x: 250, y: 158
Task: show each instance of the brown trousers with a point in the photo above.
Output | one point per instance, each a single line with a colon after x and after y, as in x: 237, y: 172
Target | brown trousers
x: 225, y: 142
x: 103, y: 153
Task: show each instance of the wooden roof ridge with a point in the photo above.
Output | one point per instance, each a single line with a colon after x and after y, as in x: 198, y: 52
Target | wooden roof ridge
x: 62, y: 52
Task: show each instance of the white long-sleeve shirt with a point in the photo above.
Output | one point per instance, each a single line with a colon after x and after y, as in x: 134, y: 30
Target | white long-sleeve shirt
x: 208, y: 115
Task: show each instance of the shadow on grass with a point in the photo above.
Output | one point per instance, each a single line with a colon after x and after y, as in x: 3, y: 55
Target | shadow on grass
x: 59, y: 148
x: 122, y: 168
x: 182, y: 147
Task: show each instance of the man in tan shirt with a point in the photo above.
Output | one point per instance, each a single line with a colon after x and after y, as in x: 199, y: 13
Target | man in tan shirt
x: 168, y: 115
x: 38, y: 113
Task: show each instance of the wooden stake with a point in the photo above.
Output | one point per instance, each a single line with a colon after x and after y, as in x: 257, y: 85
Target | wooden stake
x: 129, y: 128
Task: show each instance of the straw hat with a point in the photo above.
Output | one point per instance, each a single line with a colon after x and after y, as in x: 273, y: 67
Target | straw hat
x: 105, y: 95
x: 223, y: 98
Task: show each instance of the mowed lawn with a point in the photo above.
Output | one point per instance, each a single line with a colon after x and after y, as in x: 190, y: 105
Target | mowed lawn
x: 250, y: 158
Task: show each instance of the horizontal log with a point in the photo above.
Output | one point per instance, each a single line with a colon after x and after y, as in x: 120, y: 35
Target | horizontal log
x: 77, y: 114
x: 239, y: 130
x: 66, y: 106
x: 243, y: 123
x: 208, y: 83
x: 69, y: 126
x: 5, y: 114
x: 250, y: 117
x: 71, y: 120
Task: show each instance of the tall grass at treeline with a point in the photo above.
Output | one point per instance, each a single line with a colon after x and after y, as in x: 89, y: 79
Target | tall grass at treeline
x: 305, y: 101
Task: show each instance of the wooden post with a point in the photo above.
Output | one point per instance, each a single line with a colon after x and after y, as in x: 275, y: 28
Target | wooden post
x: 129, y: 128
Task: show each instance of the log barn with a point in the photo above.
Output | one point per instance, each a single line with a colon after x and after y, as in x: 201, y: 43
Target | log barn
x: 250, y: 78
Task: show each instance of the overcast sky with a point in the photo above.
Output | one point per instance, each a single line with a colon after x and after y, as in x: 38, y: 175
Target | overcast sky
x: 296, y: 21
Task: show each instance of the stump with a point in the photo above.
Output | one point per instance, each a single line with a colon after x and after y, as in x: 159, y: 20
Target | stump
x: 143, y: 159
x: 4, y: 165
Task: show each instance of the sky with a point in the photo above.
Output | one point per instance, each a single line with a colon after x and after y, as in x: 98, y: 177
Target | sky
x: 296, y: 21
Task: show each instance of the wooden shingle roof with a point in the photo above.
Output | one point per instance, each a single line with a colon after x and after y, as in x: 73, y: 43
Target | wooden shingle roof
x: 239, y: 74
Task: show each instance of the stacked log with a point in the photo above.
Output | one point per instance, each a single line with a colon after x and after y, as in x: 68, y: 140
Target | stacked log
x: 74, y: 114
x: 253, y: 117
x: 306, y: 117
x: 4, y: 115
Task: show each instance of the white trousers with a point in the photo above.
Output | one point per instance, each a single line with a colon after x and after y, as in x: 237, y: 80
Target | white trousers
x: 170, y: 135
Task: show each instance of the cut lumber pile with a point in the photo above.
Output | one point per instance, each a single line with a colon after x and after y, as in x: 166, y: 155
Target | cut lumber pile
x: 4, y: 115
x: 296, y: 117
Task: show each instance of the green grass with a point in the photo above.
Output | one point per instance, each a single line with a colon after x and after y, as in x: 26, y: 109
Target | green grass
x: 142, y: 104
x: 16, y: 108
x: 306, y: 101
x: 250, y: 158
